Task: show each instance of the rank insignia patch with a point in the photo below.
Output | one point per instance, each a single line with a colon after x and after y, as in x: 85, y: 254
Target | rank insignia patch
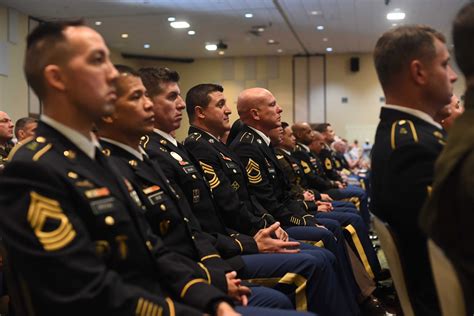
x: 50, y: 225
x: 210, y: 175
x: 253, y: 172
x: 328, y: 163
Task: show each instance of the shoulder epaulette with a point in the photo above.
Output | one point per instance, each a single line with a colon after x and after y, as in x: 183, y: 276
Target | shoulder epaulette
x: 144, y: 140
x: 34, y: 147
x: 193, y: 137
x: 403, y: 131
x: 247, y: 137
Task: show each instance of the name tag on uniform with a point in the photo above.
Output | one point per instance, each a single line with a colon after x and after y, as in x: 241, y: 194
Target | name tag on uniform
x: 156, y: 198
x: 189, y: 169
x: 103, y: 206
x: 231, y: 165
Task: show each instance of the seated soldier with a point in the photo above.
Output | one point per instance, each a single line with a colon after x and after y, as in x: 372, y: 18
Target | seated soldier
x: 357, y: 230
x: 315, y: 173
x: 164, y: 206
x: 181, y: 168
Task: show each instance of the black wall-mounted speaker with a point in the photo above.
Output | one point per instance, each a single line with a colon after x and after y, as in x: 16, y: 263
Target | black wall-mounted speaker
x: 354, y: 64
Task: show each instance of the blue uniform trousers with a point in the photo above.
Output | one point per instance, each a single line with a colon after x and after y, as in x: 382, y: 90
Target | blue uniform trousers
x: 353, y: 191
x: 307, y: 278
x: 357, y: 235
x: 266, y: 297
x: 349, y: 206
x: 260, y: 311
x: 334, y: 242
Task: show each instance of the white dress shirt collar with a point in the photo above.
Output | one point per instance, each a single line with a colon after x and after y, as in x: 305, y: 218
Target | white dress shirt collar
x: 265, y: 138
x: 86, y: 145
x: 137, y: 153
x: 419, y: 114
x: 167, y: 136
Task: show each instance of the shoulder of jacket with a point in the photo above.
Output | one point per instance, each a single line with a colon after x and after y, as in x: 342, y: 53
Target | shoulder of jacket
x: 247, y: 137
x: 31, y: 149
x: 403, y: 132
x: 193, y: 137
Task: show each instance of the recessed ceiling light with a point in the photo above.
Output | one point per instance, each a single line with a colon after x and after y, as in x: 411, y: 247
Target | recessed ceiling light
x: 248, y: 15
x: 315, y: 12
x: 124, y: 35
x: 211, y: 47
x: 221, y: 52
x: 279, y: 50
x: 261, y: 29
x: 329, y: 49
x: 271, y: 41
x: 395, y: 16
x: 98, y: 23
x: 320, y: 27
x: 325, y: 39
x: 171, y: 19
x: 191, y: 32
x: 179, y: 25
x: 146, y: 45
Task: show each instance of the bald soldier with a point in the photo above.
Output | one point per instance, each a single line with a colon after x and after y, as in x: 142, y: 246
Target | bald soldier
x: 6, y: 135
x: 260, y: 113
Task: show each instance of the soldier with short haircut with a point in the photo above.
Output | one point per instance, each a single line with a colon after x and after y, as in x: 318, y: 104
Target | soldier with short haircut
x: 412, y: 64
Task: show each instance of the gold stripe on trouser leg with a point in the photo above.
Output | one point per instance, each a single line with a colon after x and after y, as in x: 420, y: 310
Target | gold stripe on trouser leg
x: 291, y: 279
x: 319, y: 244
x: 354, y: 200
x: 360, y: 250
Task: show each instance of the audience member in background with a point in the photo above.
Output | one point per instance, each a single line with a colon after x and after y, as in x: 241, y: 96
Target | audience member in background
x: 412, y: 64
x: 6, y: 135
x: 449, y: 113
x: 447, y: 216
x: 25, y: 127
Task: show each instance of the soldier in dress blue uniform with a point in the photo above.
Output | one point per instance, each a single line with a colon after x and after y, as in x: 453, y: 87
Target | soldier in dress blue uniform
x: 258, y: 110
x: 320, y: 173
x: 72, y: 232
x: 165, y: 206
x: 408, y: 141
x: 350, y: 221
x: 183, y: 170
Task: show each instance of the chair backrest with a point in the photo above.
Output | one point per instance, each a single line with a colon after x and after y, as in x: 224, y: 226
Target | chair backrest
x: 448, y: 286
x: 17, y: 290
x: 389, y: 243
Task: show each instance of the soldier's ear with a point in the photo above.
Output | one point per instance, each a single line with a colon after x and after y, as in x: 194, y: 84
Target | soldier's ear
x: 199, y: 112
x: 255, y: 115
x: 54, y: 77
x: 418, y: 72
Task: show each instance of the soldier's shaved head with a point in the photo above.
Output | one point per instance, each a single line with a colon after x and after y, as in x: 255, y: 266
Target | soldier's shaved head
x: 302, y: 132
x: 258, y: 108
x: 250, y: 99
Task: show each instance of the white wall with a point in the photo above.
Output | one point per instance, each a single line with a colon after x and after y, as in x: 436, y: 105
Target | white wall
x: 13, y: 87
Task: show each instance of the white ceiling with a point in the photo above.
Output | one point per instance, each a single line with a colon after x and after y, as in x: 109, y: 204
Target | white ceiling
x: 350, y: 25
